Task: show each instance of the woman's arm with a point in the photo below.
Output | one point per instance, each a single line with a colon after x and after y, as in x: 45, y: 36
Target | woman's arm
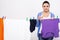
x: 38, y: 19
x: 52, y: 16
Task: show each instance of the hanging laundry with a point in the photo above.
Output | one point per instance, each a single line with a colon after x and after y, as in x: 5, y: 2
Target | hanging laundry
x: 50, y: 28
x: 1, y: 29
x: 32, y: 25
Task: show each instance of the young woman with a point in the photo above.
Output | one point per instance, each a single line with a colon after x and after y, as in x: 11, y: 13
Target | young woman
x: 45, y: 14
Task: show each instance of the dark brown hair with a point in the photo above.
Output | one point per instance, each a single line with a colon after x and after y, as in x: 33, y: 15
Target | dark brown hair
x: 46, y: 2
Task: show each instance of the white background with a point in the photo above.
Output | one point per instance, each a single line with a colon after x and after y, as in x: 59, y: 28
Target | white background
x: 15, y: 26
x: 20, y: 9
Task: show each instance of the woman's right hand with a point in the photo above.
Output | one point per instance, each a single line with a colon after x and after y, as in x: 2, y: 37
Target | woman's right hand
x: 40, y: 17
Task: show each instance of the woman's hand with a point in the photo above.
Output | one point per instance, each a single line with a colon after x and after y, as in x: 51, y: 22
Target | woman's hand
x: 40, y: 17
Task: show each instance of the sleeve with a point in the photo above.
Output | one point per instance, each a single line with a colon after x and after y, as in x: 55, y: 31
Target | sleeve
x: 52, y: 15
x: 38, y: 21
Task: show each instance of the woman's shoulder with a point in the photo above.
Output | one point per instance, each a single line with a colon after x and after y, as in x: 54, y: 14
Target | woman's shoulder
x: 40, y: 13
x: 52, y: 14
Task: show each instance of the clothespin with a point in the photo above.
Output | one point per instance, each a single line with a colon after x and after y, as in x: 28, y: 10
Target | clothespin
x: 4, y: 17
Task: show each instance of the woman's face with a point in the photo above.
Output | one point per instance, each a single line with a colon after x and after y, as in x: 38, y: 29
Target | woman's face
x: 46, y: 7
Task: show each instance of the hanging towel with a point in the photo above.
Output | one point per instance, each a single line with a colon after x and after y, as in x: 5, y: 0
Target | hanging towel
x: 1, y: 29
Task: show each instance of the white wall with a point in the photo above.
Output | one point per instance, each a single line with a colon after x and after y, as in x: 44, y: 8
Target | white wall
x: 15, y: 10
x: 20, y: 9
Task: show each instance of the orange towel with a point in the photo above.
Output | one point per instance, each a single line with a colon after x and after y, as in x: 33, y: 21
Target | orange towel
x: 1, y: 29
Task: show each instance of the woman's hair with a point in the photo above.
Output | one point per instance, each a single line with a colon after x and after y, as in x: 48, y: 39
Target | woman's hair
x: 46, y: 2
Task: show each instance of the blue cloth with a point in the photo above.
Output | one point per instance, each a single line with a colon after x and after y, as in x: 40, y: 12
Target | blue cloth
x: 38, y: 22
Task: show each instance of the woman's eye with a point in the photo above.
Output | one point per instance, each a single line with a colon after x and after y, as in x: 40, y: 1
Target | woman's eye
x: 44, y: 6
x: 47, y: 6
